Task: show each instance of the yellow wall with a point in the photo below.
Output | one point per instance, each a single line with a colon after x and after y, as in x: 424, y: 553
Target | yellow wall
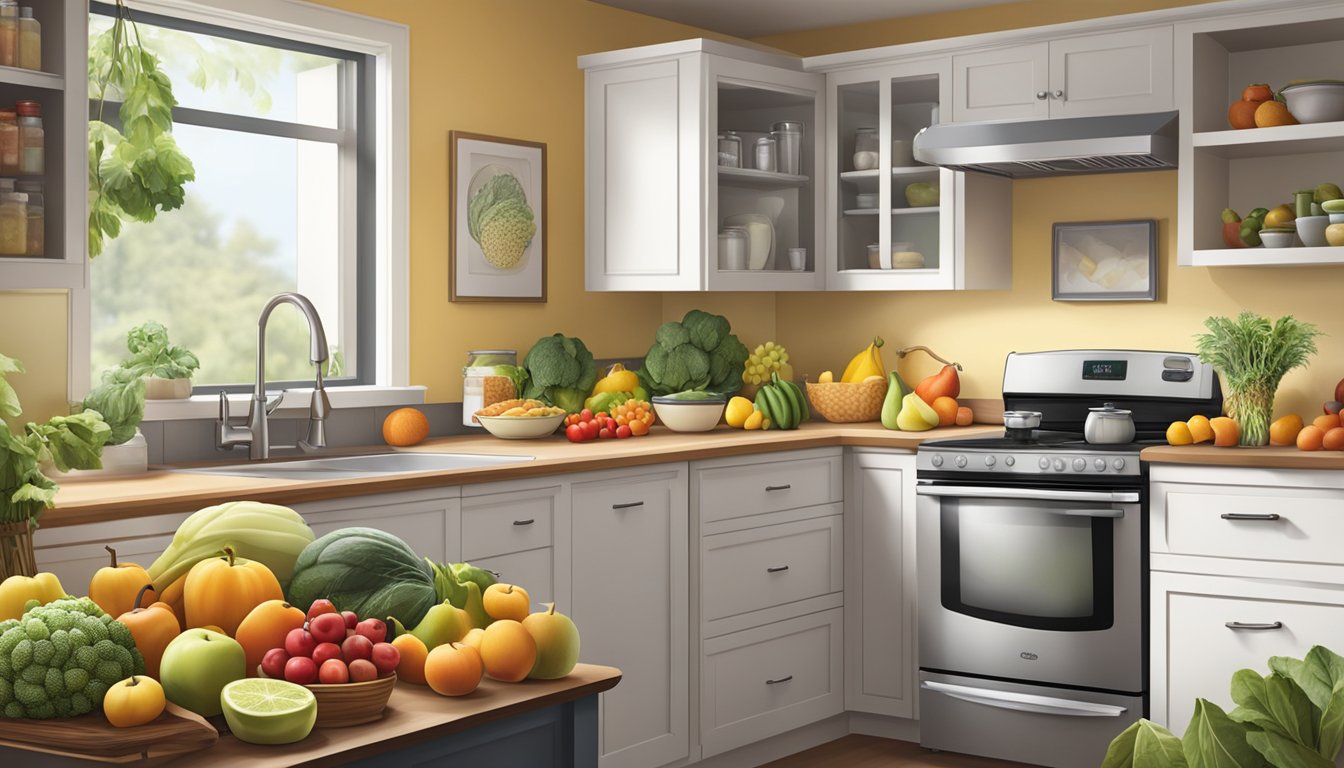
x: 34, y: 331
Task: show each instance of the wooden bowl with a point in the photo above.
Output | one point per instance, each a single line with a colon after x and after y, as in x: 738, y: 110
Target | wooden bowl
x: 352, y: 703
x: 846, y: 403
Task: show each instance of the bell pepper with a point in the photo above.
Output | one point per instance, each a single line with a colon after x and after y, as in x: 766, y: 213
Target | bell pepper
x: 1251, y: 226
x: 17, y: 591
x: 1232, y: 229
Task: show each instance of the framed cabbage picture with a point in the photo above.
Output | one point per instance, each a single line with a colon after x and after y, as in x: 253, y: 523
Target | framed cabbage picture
x: 497, y: 229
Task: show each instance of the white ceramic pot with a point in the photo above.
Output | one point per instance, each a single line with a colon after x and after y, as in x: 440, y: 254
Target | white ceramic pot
x: 129, y: 458
x: 1108, y: 424
x: 167, y: 389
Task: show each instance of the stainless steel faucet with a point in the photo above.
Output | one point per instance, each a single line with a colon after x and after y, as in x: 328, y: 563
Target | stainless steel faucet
x: 256, y: 435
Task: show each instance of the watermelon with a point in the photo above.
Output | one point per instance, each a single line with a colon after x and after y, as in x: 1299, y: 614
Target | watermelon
x: 370, y: 572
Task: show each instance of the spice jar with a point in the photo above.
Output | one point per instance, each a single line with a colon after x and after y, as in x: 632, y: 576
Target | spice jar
x: 29, y: 40
x: 764, y: 154
x: 9, y: 143
x: 730, y: 149
x: 481, y: 386
x: 36, y: 216
x: 9, y: 33
x: 13, y: 224
x: 866, y: 149
x: 32, y: 154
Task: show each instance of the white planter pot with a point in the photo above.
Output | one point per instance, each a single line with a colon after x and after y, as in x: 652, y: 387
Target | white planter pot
x: 129, y: 458
x: 167, y: 389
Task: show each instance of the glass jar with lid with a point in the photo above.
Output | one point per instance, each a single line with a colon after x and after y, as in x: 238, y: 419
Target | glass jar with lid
x: 9, y: 33
x: 730, y: 149
x: 36, y: 215
x: 763, y: 153
x: 32, y: 159
x: 866, y: 149
x: 13, y: 224
x: 9, y: 142
x: 788, y: 136
x: 482, y: 385
x: 733, y: 248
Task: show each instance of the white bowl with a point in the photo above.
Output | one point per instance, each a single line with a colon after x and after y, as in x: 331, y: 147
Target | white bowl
x: 1311, y: 230
x: 521, y: 427
x: 1316, y: 102
x: 1336, y: 218
x: 866, y: 200
x: 688, y: 415
x: 1276, y: 239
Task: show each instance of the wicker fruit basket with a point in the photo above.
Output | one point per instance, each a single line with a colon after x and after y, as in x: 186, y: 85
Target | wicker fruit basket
x: 846, y: 403
x: 16, y: 550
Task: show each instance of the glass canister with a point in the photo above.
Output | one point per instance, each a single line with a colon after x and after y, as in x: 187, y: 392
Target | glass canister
x: 32, y: 142
x: 481, y: 385
x: 730, y: 149
x: 733, y: 248
x: 13, y: 224
x: 763, y: 153
x: 788, y: 137
x: 36, y: 216
x: 29, y: 55
x: 866, y: 149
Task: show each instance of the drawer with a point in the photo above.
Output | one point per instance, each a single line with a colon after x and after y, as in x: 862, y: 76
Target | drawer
x: 645, y: 495
x: 532, y: 570
x: 772, y: 565
x: 765, y: 681
x: 1300, y: 525
x: 756, y: 489
x: 504, y: 523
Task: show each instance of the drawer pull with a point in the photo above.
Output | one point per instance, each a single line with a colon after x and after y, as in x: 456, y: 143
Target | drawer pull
x: 783, y: 487
x: 1254, y: 625
x: 1249, y: 516
x: 528, y: 521
x: 628, y: 505
x: 777, y: 569
x: 779, y: 680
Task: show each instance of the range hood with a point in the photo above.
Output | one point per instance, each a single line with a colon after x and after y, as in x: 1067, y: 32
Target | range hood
x: 1059, y: 147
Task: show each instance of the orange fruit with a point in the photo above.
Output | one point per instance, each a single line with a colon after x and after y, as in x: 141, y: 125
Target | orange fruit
x: 1257, y: 92
x: 1226, y: 432
x: 508, y: 650
x: 965, y: 416
x: 411, y: 667
x: 946, y: 408
x: 1326, y: 422
x: 1310, y: 438
x: 1179, y: 434
x: 1271, y: 113
x: 453, y: 669
x: 405, y: 426
x: 1200, y: 431
x: 1334, y: 440
x: 1242, y: 114
x: 1284, y: 430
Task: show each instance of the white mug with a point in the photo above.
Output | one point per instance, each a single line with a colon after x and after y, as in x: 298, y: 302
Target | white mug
x: 797, y: 259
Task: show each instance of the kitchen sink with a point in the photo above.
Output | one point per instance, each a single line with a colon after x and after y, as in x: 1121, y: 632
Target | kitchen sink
x: 345, y: 467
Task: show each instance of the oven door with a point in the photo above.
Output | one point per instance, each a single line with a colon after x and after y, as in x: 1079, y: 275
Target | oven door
x: 1040, y: 585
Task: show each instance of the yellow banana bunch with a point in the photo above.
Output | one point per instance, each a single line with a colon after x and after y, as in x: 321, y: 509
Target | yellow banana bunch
x: 866, y: 363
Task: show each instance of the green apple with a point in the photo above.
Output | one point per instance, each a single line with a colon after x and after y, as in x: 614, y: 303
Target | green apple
x: 444, y: 624
x: 921, y: 194
x: 1325, y: 192
x: 197, y: 665
x: 557, y: 643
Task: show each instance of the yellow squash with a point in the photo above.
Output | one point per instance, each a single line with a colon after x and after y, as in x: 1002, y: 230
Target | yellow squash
x: 115, y: 587
x: 866, y: 363
x: 16, y: 591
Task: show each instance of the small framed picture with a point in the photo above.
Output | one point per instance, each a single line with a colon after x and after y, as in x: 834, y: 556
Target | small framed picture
x: 1105, y: 261
x: 497, y: 230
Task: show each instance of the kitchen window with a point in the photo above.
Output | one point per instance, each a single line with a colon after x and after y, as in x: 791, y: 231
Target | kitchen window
x: 283, y: 133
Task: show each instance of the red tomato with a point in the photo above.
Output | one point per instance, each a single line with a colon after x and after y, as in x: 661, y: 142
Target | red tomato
x: 575, y: 433
x: 585, y: 415
x: 605, y: 433
x: 591, y: 429
x: 623, y: 431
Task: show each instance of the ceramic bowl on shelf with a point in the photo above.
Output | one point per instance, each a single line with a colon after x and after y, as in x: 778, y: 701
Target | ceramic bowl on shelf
x: 866, y: 200
x: 1317, y: 101
x: 521, y: 427
x: 1311, y: 230
x: 1277, y: 237
x: 689, y: 415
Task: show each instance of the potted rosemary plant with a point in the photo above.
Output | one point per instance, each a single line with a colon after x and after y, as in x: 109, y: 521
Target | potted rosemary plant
x: 1253, y: 355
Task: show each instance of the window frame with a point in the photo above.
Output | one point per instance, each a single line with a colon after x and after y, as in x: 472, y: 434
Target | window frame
x: 382, y: 164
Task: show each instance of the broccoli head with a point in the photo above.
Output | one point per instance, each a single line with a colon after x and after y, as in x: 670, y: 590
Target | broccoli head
x: 698, y: 353
x: 560, y: 371
x: 60, y: 659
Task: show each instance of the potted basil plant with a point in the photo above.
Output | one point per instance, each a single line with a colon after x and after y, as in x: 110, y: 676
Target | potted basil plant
x: 165, y: 367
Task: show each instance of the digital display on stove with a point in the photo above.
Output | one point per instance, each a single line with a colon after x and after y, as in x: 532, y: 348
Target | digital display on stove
x: 1105, y: 370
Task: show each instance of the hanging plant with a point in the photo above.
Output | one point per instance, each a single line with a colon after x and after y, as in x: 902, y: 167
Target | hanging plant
x: 136, y: 171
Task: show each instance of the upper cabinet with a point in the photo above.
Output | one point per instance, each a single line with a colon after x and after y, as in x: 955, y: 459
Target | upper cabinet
x: 1253, y: 167
x: 1103, y: 74
x: 659, y: 188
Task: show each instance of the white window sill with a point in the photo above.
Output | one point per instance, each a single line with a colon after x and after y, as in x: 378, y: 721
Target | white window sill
x: 294, y: 404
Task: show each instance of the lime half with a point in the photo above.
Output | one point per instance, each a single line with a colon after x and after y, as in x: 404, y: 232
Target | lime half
x: 264, y: 711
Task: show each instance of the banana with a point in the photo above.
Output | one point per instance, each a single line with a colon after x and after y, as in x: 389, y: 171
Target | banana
x: 866, y: 363
x: 801, y: 399
x: 763, y: 405
x: 780, y: 405
x: 795, y: 396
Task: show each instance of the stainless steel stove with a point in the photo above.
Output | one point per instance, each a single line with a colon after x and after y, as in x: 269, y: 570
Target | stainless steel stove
x: 1032, y: 559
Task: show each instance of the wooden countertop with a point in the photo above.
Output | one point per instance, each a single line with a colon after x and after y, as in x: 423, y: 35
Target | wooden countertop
x: 1286, y: 457
x: 164, y: 492
x: 414, y: 714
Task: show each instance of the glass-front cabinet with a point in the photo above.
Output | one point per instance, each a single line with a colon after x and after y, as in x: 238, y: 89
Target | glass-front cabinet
x: 900, y: 224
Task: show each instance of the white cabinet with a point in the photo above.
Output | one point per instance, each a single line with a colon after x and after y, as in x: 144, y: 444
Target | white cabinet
x: 428, y: 521
x: 655, y: 194
x: 880, y: 636
x: 630, y: 584
x: 904, y: 242
x: 1114, y: 73
x: 509, y: 528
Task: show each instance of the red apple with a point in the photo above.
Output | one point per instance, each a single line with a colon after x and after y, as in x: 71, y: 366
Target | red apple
x: 333, y: 672
x: 386, y: 657
x: 327, y: 628
x: 362, y: 671
x: 374, y: 629
x: 357, y: 647
x: 319, y: 607
x: 299, y: 642
x: 301, y: 671
x: 325, y: 652
x: 351, y: 620
x: 273, y: 663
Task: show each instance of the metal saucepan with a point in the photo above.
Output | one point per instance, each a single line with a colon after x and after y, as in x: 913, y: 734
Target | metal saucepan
x: 1108, y: 424
x: 1022, y: 419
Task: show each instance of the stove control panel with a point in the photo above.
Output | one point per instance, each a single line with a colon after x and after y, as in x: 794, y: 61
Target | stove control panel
x: 1043, y: 462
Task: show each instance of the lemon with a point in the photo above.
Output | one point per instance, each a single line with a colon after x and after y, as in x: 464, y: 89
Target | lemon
x: 1280, y: 216
x: 739, y: 408
x: 1200, y: 431
x: 1179, y: 434
x: 260, y: 710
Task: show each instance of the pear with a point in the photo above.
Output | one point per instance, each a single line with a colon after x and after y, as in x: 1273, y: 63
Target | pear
x: 915, y: 415
x: 445, y: 623
x: 891, y: 406
x: 475, y: 607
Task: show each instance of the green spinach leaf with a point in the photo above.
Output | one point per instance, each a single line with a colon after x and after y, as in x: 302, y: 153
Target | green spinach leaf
x: 1214, y: 740
x: 1285, y: 753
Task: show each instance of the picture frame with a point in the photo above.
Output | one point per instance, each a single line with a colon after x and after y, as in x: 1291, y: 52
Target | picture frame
x: 1104, y: 261
x: 490, y: 257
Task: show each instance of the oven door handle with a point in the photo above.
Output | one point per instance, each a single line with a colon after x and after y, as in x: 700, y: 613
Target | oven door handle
x: 1037, y: 494
x: 1024, y: 702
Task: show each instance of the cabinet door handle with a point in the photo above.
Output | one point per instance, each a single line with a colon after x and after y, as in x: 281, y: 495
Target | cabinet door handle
x: 1254, y: 625
x: 528, y: 521
x: 1041, y: 95
x: 1058, y: 94
x: 779, y: 680
x: 783, y: 487
x: 776, y: 569
x: 1249, y: 516
x: 628, y: 505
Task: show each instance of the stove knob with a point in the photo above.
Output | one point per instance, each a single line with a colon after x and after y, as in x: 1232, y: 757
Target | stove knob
x: 936, y: 461
x: 960, y: 461
x: 1079, y: 465
x: 1044, y: 463
x: 1009, y: 460
x: 1119, y: 464
x: 989, y: 461
x: 1100, y: 464
x: 1059, y: 465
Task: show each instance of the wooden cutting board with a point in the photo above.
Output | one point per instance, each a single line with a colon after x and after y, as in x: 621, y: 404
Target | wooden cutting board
x: 90, y: 737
